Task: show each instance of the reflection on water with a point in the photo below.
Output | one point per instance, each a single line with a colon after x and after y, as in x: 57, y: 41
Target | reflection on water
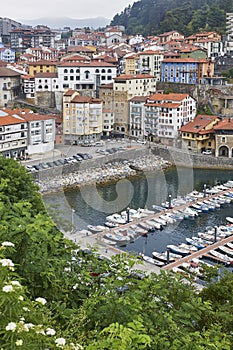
x: 93, y: 203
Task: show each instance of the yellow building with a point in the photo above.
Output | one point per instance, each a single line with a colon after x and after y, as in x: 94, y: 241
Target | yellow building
x: 198, y: 135
x: 42, y: 66
x: 131, y: 64
x: 82, y: 118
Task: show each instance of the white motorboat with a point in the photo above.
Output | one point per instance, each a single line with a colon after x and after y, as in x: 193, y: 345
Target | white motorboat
x: 178, y: 250
x: 162, y: 257
x: 195, y: 243
x: 116, y: 218
x: 221, y: 257
x: 96, y: 229
x: 120, y: 240
x: 152, y: 261
x: 229, y: 219
x: 226, y: 250
x: 154, y: 224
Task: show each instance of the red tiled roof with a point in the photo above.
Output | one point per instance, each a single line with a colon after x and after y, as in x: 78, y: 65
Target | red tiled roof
x: 85, y: 99
x: 43, y: 63
x: 199, y: 123
x: 164, y: 105
x: 225, y: 124
x: 185, y: 60
x: 10, y: 120
x: 168, y: 97
x: 86, y: 64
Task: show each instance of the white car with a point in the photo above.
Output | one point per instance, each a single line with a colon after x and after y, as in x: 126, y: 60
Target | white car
x: 207, y: 152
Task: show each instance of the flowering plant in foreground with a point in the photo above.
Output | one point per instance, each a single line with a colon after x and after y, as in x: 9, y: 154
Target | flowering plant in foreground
x: 26, y: 323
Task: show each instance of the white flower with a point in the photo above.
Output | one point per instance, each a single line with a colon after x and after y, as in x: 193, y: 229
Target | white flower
x: 7, y: 262
x: 21, y: 298
x: 8, y: 288
x: 7, y: 244
x: 60, y: 342
x: 50, y: 331
x: 75, y: 286
x: 15, y: 283
x: 11, y: 326
x: 41, y: 300
x: 19, y: 342
x: 26, y: 308
x: 29, y: 325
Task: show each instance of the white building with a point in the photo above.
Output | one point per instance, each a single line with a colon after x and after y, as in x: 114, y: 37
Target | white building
x: 46, y: 82
x: 13, y: 135
x: 85, y: 77
x: 150, y: 62
x: 166, y: 113
x: 7, y: 55
x: 108, y: 122
x: 137, y: 117
x: 23, y: 132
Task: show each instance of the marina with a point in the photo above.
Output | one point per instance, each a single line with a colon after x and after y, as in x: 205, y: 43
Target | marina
x: 152, y: 230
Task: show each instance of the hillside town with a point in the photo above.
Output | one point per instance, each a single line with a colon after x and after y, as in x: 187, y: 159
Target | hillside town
x: 65, y: 86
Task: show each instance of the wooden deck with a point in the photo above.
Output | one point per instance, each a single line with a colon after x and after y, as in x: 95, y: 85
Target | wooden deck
x: 198, y: 254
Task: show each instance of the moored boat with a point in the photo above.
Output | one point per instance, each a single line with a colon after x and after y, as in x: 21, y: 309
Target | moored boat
x: 178, y: 250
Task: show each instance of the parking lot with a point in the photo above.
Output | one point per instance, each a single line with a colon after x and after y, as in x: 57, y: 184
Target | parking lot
x: 67, y: 154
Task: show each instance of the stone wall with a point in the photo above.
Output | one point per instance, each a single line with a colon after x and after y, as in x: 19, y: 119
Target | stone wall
x: 127, y: 155
x: 188, y: 159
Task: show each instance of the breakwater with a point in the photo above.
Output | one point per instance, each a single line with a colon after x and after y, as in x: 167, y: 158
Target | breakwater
x: 104, y: 170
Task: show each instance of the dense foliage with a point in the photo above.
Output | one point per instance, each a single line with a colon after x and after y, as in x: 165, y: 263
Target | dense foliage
x: 150, y: 17
x: 54, y: 295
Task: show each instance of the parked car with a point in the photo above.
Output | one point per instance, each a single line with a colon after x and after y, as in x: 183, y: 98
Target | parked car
x: 57, y: 163
x: 78, y: 158
x: 207, y: 152
x: 37, y: 167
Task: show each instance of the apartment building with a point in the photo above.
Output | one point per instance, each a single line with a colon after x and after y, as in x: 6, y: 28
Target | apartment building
x: 166, y: 113
x: 13, y: 135
x: 186, y: 70
x: 9, y: 85
x: 198, y: 135
x: 23, y: 132
x: 82, y: 117
x: 42, y: 66
x: 150, y: 62
x: 137, y: 117
x: 125, y: 87
x: 85, y: 77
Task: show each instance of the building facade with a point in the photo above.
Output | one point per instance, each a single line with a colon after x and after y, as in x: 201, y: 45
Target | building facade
x: 166, y: 113
x: 82, y: 118
x: 186, y: 70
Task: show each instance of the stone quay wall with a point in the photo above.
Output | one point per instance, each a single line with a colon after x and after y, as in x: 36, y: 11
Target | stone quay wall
x: 181, y: 157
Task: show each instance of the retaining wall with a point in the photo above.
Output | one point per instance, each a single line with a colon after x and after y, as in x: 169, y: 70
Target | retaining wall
x: 50, y: 173
x: 184, y: 158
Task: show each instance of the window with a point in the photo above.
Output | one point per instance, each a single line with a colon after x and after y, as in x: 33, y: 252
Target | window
x: 5, y: 97
x: 77, y: 70
x: 103, y: 71
x: 97, y: 70
x: 65, y: 71
x: 223, y: 139
x: 87, y: 73
x: 71, y: 71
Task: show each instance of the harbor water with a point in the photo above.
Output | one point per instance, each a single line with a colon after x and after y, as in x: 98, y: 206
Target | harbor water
x: 79, y: 207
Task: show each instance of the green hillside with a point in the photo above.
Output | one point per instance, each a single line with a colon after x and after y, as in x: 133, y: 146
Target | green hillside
x: 150, y: 17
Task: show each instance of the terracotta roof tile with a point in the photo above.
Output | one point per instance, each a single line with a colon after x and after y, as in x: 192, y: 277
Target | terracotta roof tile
x: 199, y: 123
x: 225, y: 124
